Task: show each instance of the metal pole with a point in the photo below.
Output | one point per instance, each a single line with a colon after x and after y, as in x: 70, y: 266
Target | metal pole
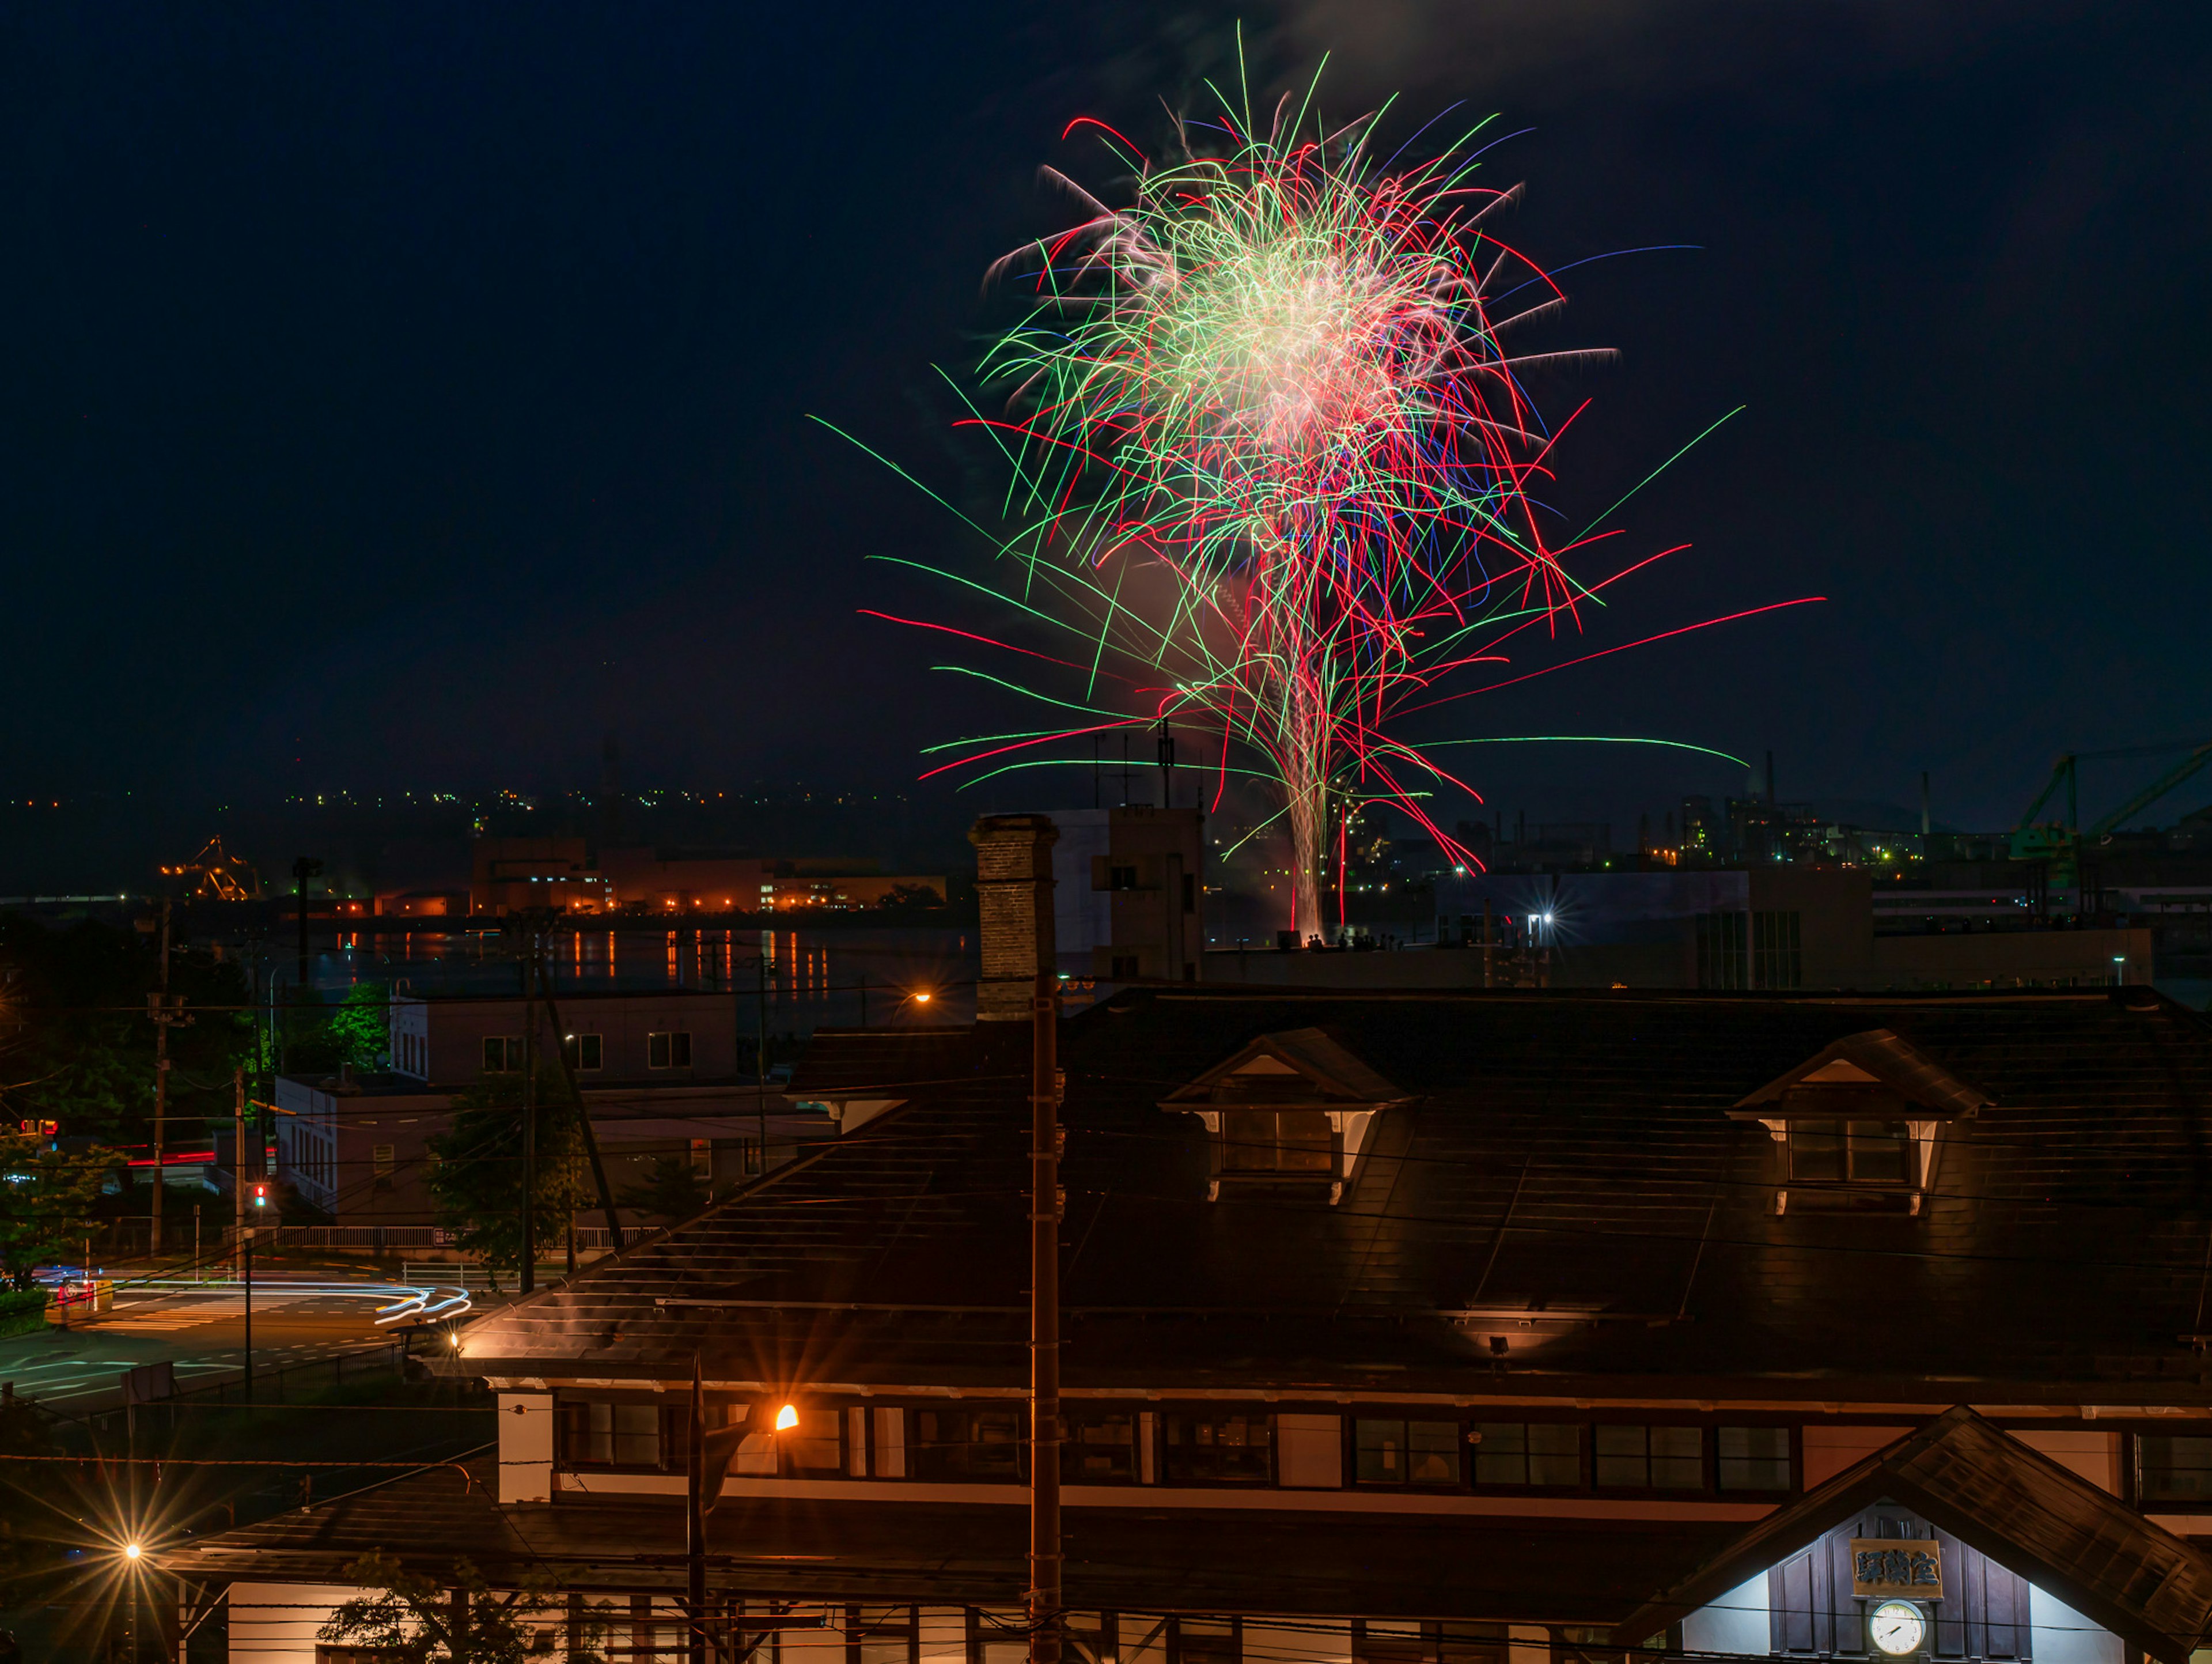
x: 694, y: 1520
x: 760, y: 1058
x: 160, y: 1073
x: 1044, y: 1595
x: 245, y: 1251
x: 238, y: 1154
x: 526, y: 1280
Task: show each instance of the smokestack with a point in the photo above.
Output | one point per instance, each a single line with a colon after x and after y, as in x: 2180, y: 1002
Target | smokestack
x: 1013, y: 884
x: 1771, y: 799
x: 1925, y: 828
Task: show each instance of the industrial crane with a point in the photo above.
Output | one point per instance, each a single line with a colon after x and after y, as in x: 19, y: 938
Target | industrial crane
x: 218, y: 875
x: 2060, y: 843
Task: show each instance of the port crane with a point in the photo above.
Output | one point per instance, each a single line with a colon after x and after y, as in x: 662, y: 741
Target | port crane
x: 218, y: 875
x: 2060, y: 843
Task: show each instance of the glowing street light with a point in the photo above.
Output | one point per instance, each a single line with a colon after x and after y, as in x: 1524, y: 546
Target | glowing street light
x: 786, y: 1418
x: 133, y: 1550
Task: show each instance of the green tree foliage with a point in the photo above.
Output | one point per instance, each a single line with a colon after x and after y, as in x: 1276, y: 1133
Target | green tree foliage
x: 669, y: 1191
x: 410, y: 1618
x: 84, y: 1052
x: 476, y: 1176
x: 45, y: 1196
x: 29, y: 1540
x: 361, y: 1026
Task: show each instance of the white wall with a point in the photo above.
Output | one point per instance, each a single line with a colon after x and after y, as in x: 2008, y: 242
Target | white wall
x: 526, y: 1447
x: 1736, y: 1623
x: 2060, y: 1635
x: 276, y: 1623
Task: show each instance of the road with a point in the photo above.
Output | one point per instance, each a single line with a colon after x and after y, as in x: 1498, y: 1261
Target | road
x: 201, y: 1329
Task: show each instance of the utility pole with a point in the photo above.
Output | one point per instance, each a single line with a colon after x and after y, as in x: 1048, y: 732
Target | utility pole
x: 760, y: 1057
x: 1044, y: 1613
x: 161, y: 1019
x: 1167, y: 765
x: 694, y: 1521
x: 527, y: 1282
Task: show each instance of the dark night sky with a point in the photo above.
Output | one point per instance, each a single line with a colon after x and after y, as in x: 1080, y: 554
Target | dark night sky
x: 412, y: 391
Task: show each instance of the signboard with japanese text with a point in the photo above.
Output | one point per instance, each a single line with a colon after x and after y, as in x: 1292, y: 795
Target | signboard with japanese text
x: 1883, y: 1567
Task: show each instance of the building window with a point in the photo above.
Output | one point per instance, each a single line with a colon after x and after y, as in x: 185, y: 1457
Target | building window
x: 1233, y: 1447
x: 503, y: 1053
x: 1124, y: 968
x: 882, y: 1635
x: 967, y: 1444
x: 1649, y: 1458
x: 589, y: 1052
x: 1753, y: 1459
x: 702, y: 1158
x: 1866, y: 1152
x: 1721, y: 953
x: 671, y: 1051
x: 2173, y: 1469
x: 1396, y: 1453
x: 1288, y: 1141
x: 1776, y: 960
x: 1099, y: 1449
x: 384, y: 1158
x: 611, y: 1435
x: 1120, y: 878
x: 1528, y: 1454
x: 999, y: 1637
x: 815, y: 1449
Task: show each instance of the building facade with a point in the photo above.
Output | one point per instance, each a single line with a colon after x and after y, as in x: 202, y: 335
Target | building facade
x: 1398, y: 1328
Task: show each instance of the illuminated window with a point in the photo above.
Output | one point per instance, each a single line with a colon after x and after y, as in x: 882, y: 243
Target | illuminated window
x: 967, y: 1444
x: 1099, y: 1449
x: 1232, y: 1448
x: 1872, y: 1152
x: 1288, y: 1141
x: 1388, y: 1451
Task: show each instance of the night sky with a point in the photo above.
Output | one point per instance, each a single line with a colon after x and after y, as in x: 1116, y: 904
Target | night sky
x: 398, y: 397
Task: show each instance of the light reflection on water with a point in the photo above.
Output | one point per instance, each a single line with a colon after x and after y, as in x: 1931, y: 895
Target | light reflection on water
x: 813, y: 979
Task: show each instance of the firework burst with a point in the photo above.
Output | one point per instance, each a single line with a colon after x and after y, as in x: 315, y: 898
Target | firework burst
x: 1273, y: 459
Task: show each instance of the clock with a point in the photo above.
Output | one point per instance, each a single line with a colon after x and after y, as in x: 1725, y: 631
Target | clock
x: 1896, y: 1627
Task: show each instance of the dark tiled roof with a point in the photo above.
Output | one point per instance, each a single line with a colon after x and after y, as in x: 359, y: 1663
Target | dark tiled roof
x: 1565, y: 1157
x: 844, y: 1062
x: 1126, y: 1559
x: 2015, y: 1505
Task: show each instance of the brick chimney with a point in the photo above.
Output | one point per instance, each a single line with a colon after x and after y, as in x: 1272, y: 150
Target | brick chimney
x: 1013, y: 885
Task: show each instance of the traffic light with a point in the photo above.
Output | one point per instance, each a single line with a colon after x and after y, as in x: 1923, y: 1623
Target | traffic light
x: 261, y: 1195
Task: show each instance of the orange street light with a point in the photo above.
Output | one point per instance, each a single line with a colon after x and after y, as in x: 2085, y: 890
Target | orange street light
x: 786, y: 1418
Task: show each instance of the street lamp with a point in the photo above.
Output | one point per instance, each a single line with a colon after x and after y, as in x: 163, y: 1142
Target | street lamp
x: 786, y: 1418
x: 133, y: 1550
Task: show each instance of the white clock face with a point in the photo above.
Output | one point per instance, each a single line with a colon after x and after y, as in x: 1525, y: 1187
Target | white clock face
x: 1896, y: 1627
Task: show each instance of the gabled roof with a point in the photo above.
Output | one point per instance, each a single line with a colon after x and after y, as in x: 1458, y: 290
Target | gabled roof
x: 1559, y: 1151
x: 1876, y: 1056
x: 1992, y: 1492
x: 1310, y: 1055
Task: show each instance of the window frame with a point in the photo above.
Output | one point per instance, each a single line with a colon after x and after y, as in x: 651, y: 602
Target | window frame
x: 916, y: 1447
x: 671, y: 1041
x: 510, y: 1052
x: 2140, y: 1496
x: 671, y: 1433
x: 1404, y: 1416
x: 1164, y: 1445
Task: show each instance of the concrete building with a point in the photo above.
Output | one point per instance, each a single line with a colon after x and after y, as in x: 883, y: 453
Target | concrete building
x: 1128, y: 885
x: 515, y: 875
x: 1778, y: 928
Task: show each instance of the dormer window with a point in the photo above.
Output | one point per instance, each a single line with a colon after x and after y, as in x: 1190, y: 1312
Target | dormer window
x: 1858, y: 1123
x: 1291, y: 1110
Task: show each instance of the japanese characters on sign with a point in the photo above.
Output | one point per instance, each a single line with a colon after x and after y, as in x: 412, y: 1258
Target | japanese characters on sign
x: 1912, y: 1567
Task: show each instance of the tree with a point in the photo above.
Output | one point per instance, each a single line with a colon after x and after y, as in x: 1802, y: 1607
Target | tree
x: 45, y: 1199
x: 361, y: 1026
x: 476, y: 1175
x: 911, y: 895
x: 670, y: 1190
x: 410, y: 1618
